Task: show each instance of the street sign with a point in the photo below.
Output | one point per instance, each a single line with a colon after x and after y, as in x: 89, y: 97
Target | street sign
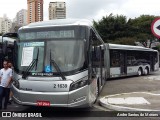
x: 155, y: 27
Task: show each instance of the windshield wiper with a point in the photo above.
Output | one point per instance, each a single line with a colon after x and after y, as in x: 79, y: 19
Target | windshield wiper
x: 52, y: 61
x: 31, y: 66
x: 37, y: 59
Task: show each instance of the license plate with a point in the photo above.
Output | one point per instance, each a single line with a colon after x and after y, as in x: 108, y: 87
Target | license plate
x: 43, y: 103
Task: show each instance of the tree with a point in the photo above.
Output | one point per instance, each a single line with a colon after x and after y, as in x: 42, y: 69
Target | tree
x: 111, y: 27
x: 116, y: 29
x: 142, y: 27
x: 16, y: 28
x: 125, y: 41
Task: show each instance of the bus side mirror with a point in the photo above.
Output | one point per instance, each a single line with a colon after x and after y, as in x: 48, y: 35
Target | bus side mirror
x: 15, y: 44
x: 14, y: 53
x: 4, y: 47
x: 1, y: 51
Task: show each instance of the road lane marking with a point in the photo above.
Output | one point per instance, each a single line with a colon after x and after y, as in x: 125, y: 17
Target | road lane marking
x: 127, y: 100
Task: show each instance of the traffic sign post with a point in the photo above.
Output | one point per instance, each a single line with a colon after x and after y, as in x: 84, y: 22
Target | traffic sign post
x: 155, y: 27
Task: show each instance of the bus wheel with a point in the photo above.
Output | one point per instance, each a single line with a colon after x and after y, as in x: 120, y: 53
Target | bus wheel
x: 146, y: 71
x: 97, y: 92
x: 139, y: 72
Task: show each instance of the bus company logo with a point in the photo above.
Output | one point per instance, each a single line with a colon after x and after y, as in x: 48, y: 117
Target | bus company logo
x: 42, y: 74
x: 6, y: 114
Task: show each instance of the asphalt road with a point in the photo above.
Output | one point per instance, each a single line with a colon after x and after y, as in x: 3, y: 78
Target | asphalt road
x: 112, y: 86
x: 132, y: 84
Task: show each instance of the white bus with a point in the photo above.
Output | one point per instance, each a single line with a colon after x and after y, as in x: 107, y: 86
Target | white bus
x: 54, y: 64
x: 64, y: 63
x: 126, y: 60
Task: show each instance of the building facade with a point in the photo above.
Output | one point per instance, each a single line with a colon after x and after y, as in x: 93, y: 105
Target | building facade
x: 5, y: 24
x: 1, y: 19
x: 35, y: 11
x: 57, y: 10
x: 21, y: 18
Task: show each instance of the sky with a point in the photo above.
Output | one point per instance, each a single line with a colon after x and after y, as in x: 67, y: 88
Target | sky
x: 89, y: 9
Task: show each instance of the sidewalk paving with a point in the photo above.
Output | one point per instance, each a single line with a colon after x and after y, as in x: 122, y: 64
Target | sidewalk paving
x: 134, y: 101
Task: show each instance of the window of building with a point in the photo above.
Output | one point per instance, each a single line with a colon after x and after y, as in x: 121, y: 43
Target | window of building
x: 60, y: 5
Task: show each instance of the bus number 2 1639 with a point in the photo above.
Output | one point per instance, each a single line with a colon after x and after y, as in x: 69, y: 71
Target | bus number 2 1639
x: 59, y: 85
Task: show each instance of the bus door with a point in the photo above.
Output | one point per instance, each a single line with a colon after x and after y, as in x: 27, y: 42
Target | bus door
x: 98, y: 61
x: 101, y: 63
x: 97, y: 64
x: 93, y: 69
x: 152, y: 61
x: 123, y: 65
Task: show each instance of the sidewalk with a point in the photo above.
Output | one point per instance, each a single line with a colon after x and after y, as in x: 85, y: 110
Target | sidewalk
x: 135, y: 101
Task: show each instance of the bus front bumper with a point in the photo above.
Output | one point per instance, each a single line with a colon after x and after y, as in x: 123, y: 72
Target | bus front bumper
x: 76, y: 98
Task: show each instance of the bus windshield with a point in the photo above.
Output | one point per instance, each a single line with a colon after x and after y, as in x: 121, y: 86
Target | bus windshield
x: 68, y: 53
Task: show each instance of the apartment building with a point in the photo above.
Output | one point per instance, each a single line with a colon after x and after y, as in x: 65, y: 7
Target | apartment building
x: 1, y: 19
x: 57, y: 10
x: 5, y: 24
x: 35, y: 11
x: 21, y: 18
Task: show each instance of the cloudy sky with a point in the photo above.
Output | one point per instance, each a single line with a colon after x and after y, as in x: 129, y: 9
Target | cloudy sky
x: 89, y: 9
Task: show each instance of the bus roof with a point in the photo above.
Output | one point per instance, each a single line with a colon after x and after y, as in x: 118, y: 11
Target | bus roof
x: 59, y: 22
x: 129, y: 47
x: 10, y: 40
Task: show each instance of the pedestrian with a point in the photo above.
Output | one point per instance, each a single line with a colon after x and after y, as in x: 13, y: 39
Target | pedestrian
x: 5, y: 84
x: 10, y: 65
x: 11, y: 94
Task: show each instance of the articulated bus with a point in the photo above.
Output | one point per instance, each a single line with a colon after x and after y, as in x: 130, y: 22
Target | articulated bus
x: 65, y: 63
x: 54, y: 64
x: 126, y: 60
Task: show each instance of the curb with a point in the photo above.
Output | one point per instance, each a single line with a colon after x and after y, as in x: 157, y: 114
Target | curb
x: 122, y: 108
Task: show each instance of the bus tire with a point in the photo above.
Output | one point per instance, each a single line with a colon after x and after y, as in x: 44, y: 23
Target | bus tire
x: 139, y: 73
x: 97, y: 91
x: 146, y: 71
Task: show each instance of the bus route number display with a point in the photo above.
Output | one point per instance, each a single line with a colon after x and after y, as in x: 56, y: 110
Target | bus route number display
x: 47, y: 34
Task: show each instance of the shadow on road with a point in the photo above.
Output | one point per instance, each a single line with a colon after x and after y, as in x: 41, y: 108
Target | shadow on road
x: 127, y: 77
x: 59, y: 112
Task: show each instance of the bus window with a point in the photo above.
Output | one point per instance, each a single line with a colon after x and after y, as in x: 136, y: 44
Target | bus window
x: 115, y: 55
x: 131, y: 60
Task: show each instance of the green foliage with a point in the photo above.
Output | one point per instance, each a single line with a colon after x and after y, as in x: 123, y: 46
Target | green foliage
x: 125, y: 41
x: 157, y: 47
x: 111, y: 27
x: 117, y: 29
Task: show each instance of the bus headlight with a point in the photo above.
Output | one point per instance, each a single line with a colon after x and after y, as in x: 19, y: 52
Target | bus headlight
x: 16, y: 83
x: 78, y: 84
